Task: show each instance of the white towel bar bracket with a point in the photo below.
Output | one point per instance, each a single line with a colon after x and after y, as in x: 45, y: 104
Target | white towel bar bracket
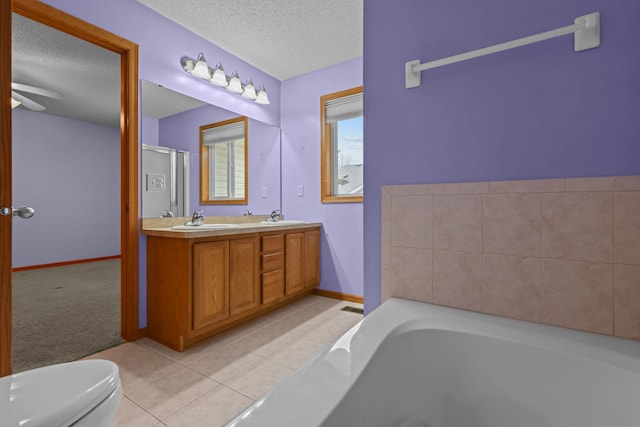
x: 586, y: 31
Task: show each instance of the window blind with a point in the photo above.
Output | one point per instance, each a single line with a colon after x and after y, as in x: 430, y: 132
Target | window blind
x: 344, y: 108
x: 225, y: 133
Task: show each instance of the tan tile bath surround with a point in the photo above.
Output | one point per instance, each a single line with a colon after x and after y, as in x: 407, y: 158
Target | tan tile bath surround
x: 563, y: 252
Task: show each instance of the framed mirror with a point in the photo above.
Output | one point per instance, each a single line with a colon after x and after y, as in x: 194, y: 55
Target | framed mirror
x: 173, y: 121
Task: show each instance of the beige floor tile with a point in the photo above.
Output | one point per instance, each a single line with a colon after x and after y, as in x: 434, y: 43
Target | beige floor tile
x: 224, y: 362
x: 258, y: 379
x: 212, y: 409
x: 169, y: 388
x: 170, y: 393
x: 332, y: 329
x: 296, y: 354
x: 131, y: 415
x: 264, y: 341
x: 135, y: 376
x: 124, y: 354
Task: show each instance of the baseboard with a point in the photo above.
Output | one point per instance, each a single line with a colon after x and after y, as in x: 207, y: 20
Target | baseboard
x: 338, y: 295
x: 60, y: 264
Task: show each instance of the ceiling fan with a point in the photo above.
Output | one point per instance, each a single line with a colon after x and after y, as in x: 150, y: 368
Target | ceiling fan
x: 17, y: 98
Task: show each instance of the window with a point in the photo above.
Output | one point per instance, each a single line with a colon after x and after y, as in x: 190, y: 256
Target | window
x: 223, y: 162
x: 342, y: 146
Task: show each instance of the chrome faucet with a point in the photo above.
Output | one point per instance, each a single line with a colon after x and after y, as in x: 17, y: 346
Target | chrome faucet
x: 274, y: 216
x: 196, y: 220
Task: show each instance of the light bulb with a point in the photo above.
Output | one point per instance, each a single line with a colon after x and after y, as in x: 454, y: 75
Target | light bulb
x: 262, y: 96
x: 235, y: 85
x: 219, y: 77
x: 249, y: 91
x: 201, y: 69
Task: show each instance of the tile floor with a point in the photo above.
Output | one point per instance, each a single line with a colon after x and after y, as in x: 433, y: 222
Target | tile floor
x: 210, y: 383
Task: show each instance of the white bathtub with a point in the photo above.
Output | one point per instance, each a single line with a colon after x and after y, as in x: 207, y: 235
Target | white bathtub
x: 410, y: 364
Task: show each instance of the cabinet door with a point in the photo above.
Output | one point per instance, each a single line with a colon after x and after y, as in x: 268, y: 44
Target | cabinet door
x: 210, y: 283
x: 294, y: 263
x: 244, y: 287
x: 311, y: 258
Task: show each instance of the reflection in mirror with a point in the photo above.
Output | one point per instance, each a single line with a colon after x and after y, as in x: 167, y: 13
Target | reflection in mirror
x: 223, y: 162
x: 173, y: 120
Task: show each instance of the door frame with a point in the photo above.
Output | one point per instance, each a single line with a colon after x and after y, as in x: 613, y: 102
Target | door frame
x: 129, y: 222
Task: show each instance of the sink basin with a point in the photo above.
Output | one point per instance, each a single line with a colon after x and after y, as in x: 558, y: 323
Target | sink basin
x: 204, y: 227
x: 283, y: 222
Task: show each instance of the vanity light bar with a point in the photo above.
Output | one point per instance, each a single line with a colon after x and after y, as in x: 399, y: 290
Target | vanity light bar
x: 199, y: 68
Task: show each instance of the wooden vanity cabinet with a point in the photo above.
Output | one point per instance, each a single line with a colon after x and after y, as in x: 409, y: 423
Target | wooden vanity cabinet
x: 199, y: 287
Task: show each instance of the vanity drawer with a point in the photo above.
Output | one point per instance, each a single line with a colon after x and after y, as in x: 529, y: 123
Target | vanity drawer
x: 272, y: 261
x: 272, y: 286
x: 273, y: 243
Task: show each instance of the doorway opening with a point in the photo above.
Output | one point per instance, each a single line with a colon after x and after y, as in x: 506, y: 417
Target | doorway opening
x: 128, y: 130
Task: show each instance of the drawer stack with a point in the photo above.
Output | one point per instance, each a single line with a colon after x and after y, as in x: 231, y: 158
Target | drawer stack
x: 272, y: 267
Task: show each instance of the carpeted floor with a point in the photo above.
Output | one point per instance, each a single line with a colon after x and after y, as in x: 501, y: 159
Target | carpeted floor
x: 63, y: 313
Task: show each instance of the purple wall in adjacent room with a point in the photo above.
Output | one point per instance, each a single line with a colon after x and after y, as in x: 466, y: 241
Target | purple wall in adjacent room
x: 69, y: 172
x: 182, y: 131
x: 539, y: 111
x: 341, y: 243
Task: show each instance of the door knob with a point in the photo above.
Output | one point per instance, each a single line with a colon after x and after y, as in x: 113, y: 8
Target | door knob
x: 24, y: 212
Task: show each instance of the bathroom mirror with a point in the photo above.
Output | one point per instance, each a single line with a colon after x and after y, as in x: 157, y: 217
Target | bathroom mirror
x: 173, y: 121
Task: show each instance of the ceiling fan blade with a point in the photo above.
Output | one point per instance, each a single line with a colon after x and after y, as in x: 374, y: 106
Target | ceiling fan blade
x: 35, y: 90
x: 31, y: 105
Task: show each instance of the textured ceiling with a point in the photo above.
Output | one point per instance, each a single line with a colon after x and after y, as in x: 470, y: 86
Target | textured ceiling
x: 284, y: 38
x: 87, y: 76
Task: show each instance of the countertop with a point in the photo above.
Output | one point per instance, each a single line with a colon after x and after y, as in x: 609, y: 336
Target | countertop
x: 156, y: 228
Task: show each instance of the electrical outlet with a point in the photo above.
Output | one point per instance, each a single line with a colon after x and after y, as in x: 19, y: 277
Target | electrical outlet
x: 300, y: 190
x: 263, y: 193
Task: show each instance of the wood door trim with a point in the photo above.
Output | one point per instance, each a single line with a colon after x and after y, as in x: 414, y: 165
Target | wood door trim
x: 129, y: 227
x: 5, y: 188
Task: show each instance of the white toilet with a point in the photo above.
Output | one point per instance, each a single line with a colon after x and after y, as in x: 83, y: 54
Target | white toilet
x: 82, y: 393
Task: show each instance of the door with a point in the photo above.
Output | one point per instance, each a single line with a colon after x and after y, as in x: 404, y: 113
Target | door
x: 157, y: 177
x: 164, y: 182
x: 128, y: 52
x: 294, y: 263
x: 244, y: 281
x: 210, y: 283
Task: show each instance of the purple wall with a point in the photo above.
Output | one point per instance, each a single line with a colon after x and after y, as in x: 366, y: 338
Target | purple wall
x: 182, y: 131
x: 341, y: 243
x: 161, y: 45
x: 540, y: 111
x: 69, y: 172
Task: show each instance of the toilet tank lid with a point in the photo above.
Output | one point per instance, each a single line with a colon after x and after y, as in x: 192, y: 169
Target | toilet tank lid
x: 56, y: 395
